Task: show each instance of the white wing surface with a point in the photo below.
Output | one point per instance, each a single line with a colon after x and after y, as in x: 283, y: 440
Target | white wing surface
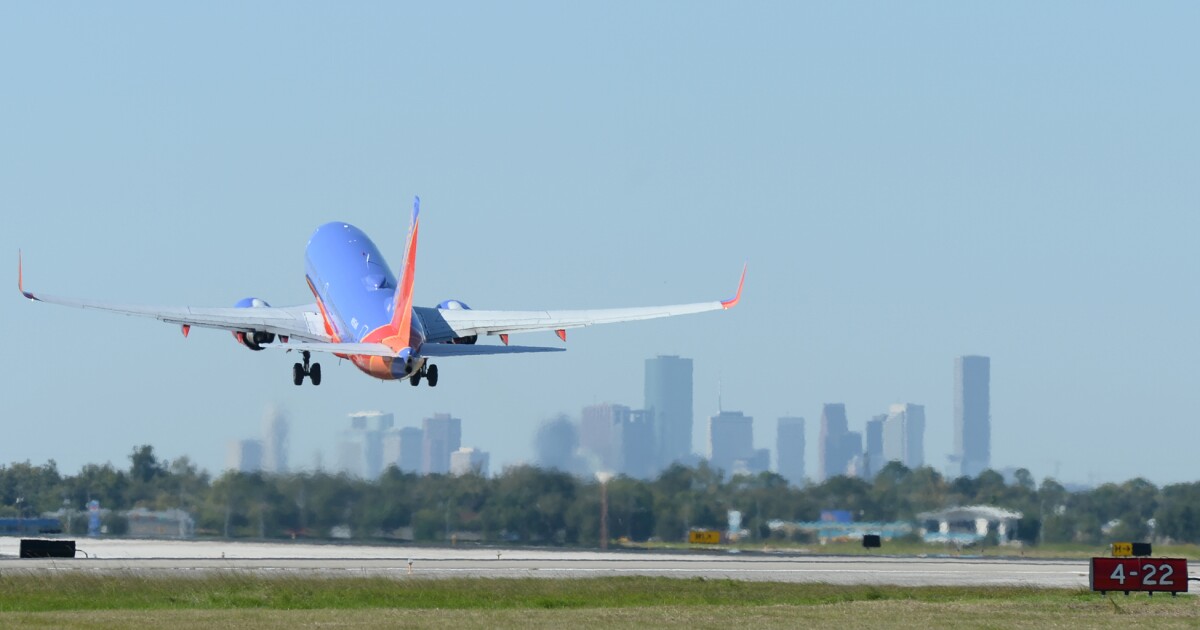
x: 297, y: 322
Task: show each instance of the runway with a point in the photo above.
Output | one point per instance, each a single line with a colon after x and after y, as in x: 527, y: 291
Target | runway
x: 163, y: 557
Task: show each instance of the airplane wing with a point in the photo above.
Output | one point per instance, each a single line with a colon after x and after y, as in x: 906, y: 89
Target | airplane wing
x: 442, y: 325
x: 297, y: 322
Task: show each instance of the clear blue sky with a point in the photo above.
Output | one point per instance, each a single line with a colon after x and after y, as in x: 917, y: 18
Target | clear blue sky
x: 909, y: 182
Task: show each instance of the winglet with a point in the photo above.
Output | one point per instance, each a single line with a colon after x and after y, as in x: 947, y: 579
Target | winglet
x: 21, y: 277
x: 730, y: 303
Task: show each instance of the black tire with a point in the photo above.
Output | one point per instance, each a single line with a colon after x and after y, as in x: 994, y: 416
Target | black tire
x: 314, y: 374
x: 431, y: 375
x: 298, y: 374
x: 415, y: 379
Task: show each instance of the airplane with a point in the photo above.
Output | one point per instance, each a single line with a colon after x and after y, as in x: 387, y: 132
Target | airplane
x: 362, y: 313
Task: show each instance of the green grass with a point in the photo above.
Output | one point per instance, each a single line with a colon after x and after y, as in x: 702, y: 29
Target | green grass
x: 81, y: 600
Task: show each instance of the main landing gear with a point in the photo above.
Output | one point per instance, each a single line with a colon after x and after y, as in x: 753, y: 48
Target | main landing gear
x: 428, y: 372
x: 300, y: 371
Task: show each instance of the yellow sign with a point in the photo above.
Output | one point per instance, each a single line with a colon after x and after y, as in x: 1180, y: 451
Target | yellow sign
x: 1122, y: 550
x: 704, y: 537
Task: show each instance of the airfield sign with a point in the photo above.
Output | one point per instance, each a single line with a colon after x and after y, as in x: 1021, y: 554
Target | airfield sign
x: 1153, y: 575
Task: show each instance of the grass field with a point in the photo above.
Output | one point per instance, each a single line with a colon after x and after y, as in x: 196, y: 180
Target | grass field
x: 77, y: 600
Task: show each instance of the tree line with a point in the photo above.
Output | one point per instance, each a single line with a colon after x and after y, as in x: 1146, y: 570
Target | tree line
x: 527, y: 504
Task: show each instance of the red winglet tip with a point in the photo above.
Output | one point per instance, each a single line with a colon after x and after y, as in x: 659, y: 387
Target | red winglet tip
x: 562, y: 333
x: 728, y: 304
x: 21, y: 276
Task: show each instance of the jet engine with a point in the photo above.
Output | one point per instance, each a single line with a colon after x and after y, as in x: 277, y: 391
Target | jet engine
x: 457, y: 305
x: 253, y: 339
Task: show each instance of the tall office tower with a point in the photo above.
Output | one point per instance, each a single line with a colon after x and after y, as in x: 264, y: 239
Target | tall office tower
x: 402, y: 449
x: 637, y: 445
x: 275, y: 442
x: 873, y: 453
x: 730, y: 439
x: 831, y: 456
x: 601, y: 433
x: 904, y: 435
x: 758, y: 462
x: 789, y: 449
x: 360, y: 447
x: 244, y: 456
x: 972, y: 414
x: 469, y: 461
x: 669, y: 397
x: 442, y: 435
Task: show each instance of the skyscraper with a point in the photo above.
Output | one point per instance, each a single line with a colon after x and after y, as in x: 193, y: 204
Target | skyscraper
x: 402, y: 449
x: 637, y: 445
x: 601, y: 435
x: 730, y: 440
x: 275, y: 442
x: 669, y: 397
x: 789, y: 449
x: 972, y: 414
x: 442, y: 435
x: 852, y: 450
x: 904, y: 435
x: 360, y: 448
x: 244, y: 456
x: 831, y: 455
x: 873, y: 455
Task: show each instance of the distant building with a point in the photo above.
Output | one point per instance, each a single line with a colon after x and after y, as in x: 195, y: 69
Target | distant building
x: 730, y: 439
x: 852, y: 450
x: 758, y: 462
x: 873, y: 460
x: 402, y: 449
x: 789, y: 449
x: 467, y: 461
x: 637, y: 445
x: 556, y: 444
x: 175, y: 523
x: 972, y: 414
x: 904, y: 435
x: 669, y: 397
x: 442, y: 435
x: 832, y: 456
x: 601, y: 435
x: 275, y: 442
x: 360, y: 447
x: 244, y: 456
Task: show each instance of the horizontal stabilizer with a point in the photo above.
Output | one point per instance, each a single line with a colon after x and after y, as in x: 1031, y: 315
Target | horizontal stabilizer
x: 462, y: 350
x: 427, y: 350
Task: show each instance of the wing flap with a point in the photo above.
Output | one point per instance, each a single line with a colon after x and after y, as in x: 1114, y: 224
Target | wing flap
x: 462, y: 350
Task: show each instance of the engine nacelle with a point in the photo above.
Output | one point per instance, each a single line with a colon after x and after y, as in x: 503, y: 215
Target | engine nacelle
x: 457, y: 305
x: 253, y: 339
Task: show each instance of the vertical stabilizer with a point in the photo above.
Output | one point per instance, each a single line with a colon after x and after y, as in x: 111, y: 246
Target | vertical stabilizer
x: 402, y: 308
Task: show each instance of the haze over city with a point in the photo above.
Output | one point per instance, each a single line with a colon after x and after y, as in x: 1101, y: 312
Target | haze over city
x: 906, y: 186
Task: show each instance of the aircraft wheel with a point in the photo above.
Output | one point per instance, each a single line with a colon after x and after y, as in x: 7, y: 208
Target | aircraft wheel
x: 431, y: 375
x: 314, y: 374
x: 298, y: 374
x: 415, y: 379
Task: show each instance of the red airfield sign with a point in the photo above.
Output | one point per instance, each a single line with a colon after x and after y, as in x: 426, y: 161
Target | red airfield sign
x: 1155, y: 575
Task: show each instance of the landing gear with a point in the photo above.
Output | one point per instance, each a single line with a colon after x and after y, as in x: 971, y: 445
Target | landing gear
x: 427, y: 372
x: 431, y: 375
x: 299, y: 371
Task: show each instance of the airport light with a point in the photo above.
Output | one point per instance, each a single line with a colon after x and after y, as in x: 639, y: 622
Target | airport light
x: 603, y: 477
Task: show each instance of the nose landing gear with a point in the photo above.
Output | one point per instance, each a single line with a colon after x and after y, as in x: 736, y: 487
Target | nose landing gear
x: 299, y: 371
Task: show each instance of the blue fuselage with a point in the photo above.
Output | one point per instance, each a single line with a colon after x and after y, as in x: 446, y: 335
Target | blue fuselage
x: 356, y: 290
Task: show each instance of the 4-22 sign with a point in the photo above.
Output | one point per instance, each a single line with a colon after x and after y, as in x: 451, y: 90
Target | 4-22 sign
x: 1163, y: 575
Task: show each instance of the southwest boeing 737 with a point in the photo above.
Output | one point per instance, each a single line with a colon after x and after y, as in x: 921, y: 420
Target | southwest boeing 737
x: 363, y: 314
